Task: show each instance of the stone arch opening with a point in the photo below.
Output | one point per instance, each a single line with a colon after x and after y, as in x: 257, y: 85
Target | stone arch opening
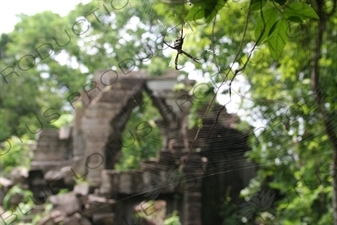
x: 141, y: 137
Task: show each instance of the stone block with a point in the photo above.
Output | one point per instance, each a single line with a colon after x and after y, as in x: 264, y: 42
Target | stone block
x: 57, y: 216
x: 78, y: 167
x: 65, y: 133
x: 97, y: 135
x: 67, y: 202
x: 99, y: 111
x: 127, y: 83
x: 154, y: 166
x: 18, y: 175
x: 59, y: 179
x: 130, y: 182
x: 159, y: 85
x: 125, y: 183
x: 194, y: 197
x: 104, y: 78
x: 107, y: 182
x: 147, y: 178
x: 48, y: 165
x: 81, y: 190
x: 94, y: 174
x: 72, y: 220
x: 116, y: 96
x: 51, y: 154
x: 94, y: 123
x: 84, y: 221
x: 166, y: 157
x: 99, y: 204
x: 103, y: 218
x: 104, y: 106
x: 4, y: 182
x: 47, y: 135
x: 46, y: 221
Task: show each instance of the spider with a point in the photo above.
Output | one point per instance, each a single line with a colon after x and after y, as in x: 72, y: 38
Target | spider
x: 178, y: 44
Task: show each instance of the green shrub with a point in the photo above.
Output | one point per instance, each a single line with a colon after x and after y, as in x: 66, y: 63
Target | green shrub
x: 172, y: 219
x: 15, y: 153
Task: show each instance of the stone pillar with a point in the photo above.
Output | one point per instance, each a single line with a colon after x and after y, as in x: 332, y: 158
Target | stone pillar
x: 103, y: 124
x: 96, y: 131
x: 191, y: 184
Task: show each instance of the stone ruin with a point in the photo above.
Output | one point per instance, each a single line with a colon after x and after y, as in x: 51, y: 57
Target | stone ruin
x: 82, y: 158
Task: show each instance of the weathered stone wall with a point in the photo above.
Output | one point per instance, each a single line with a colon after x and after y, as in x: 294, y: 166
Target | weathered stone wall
x: 53, y: 149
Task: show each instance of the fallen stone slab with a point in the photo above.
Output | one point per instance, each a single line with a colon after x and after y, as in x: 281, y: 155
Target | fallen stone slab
x: 46, y: 221
x: 98, y: 204
x: 57, y: 216
x: 71, y: 220
x: 58, y: 179
x: 68, y: 203
x: 18, y: 175
x: 81, y: 190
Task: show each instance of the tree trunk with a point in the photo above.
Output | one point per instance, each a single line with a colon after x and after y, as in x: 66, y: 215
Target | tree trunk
x: 327, y: 120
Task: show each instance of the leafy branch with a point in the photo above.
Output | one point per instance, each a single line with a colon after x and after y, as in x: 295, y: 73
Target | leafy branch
x: 269, y: 29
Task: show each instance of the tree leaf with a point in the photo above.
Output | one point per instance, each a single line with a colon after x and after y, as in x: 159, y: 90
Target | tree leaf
x: 196, y: 12
x: 281, y: 2
x: 295, y: 19
x: 270, y: 17
x: 301, y: 10
x: 257, y: 4
x: 206, y: 10
x: 277, y: 38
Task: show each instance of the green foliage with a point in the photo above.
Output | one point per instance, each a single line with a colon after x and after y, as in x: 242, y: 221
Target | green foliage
x: 173, y: 219
x: 291, y: 148
x: 273, y: 23
x: 64, y: 120
x: 157, y: 67
x: 228, y: 210
x: 277, y: 38
x: 35, y: 87
x: 179, y: 87
x: 139, y: 142
x: 273, y: 20
x: 27, y: 197
x: 47, y: 209
x: 202, y: 93
x: 206, y: 10
x: 25, y: 207
x: 281, y: 2
x: 46, y: 82
x: 14, y: 153
x: 269, y: 15
x: 292, y: 135
x: 300, y: 10
x: 257, y: 5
